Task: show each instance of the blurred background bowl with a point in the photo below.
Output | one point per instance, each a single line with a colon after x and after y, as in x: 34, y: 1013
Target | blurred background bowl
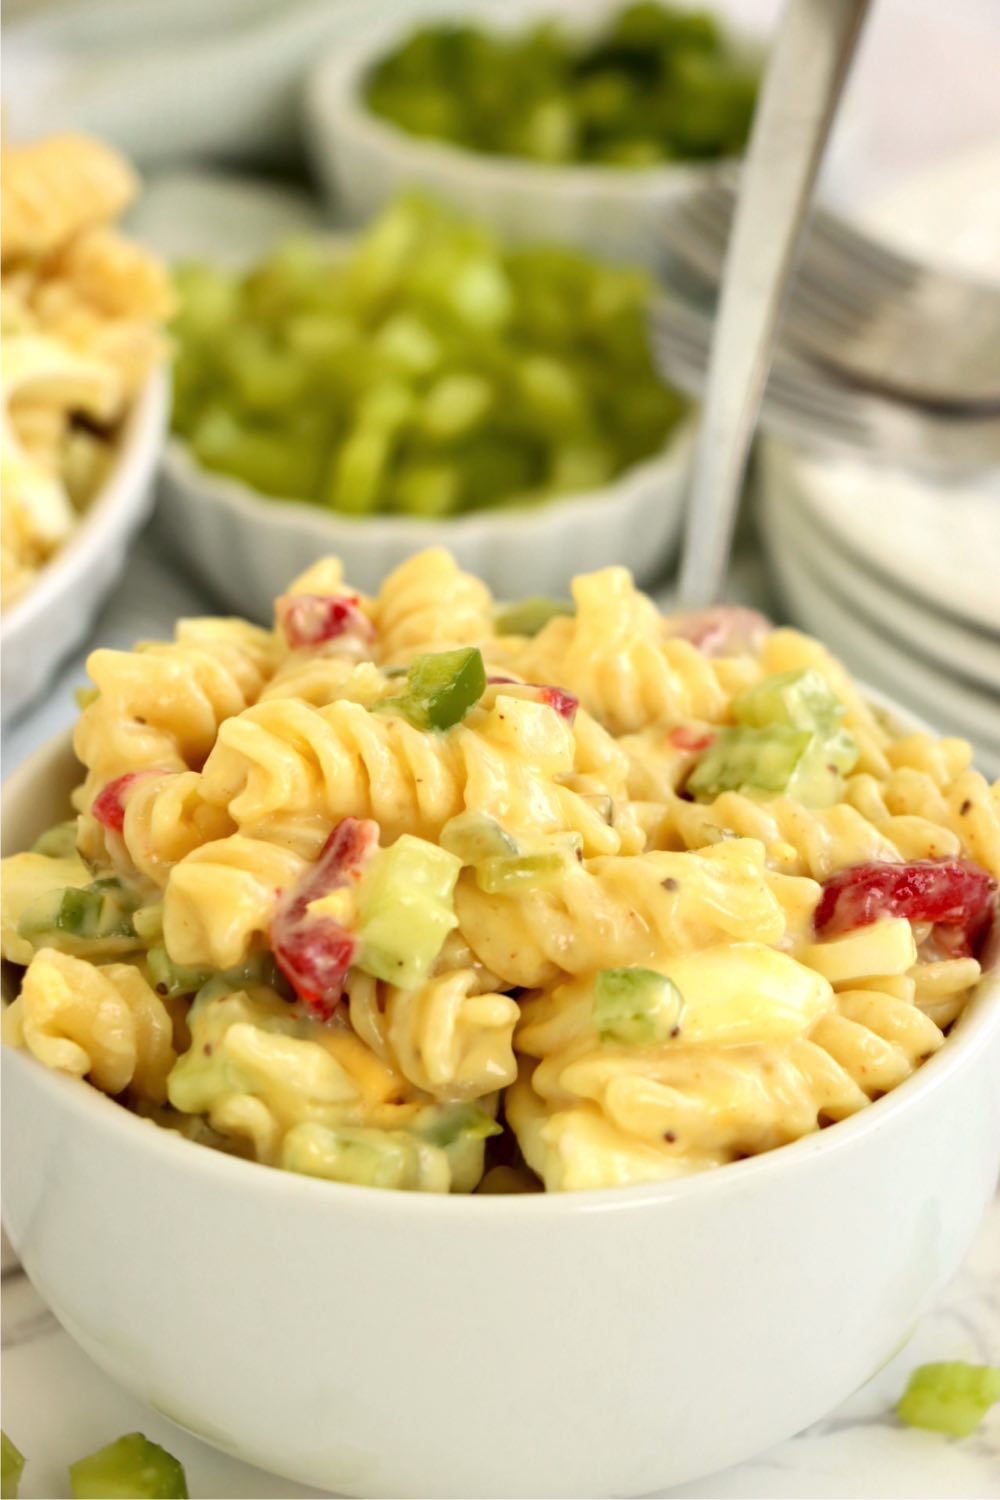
x: 363, y: 160
x: 56, y: 613
x: 247, y: 546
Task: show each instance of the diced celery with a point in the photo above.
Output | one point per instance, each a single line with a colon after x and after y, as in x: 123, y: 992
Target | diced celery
x: 11, y: 1468
x: 131, y: 1467
x: 507, y: 874
x: 951, y: 1397
x: 764, y: 759
x: 454, y: 405
x: 474, y: 836
x: 527, y: 616
x: 441, y: 688
x: 406, y: 910
x: 429, y: 489
x: 635, y: 1006
x: 85, y: 696
x: 800, y: 699
x: 443, y: 1124
x: 57, y: 842
x: 359, y: 469
x: 778, y: 759
x: 168, y: 978
x: 91, y: 913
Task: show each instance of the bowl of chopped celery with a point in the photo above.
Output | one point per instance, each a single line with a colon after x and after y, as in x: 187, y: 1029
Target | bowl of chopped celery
x: 582, y: 123
x: 422, y: 384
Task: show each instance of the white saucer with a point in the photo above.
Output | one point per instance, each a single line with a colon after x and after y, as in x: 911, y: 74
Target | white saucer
x: 880, y: 658
x: 955, y: 648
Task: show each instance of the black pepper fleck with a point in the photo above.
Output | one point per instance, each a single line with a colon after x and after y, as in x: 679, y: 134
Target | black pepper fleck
x: 670, y: 884
x: 966, y: 806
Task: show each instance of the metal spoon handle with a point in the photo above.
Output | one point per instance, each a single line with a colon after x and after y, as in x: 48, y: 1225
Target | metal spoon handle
x: 812, y: 51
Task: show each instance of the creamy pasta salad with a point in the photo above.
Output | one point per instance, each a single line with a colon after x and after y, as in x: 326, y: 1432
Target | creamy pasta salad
x: 409, y: 889
x: 82, y: 308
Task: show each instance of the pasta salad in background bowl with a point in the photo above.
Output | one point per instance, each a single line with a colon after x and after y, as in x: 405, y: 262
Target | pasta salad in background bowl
x: 645, y: 954
x: 84, y: 402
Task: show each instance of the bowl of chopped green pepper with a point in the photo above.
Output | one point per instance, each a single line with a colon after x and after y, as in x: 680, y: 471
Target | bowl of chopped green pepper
x: 422, y: 384
x: 581, y: 123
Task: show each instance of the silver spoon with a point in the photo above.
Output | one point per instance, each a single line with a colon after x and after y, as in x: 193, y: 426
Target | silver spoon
x: 809, y: 60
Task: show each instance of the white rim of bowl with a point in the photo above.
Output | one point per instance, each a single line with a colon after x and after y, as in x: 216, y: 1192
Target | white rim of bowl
x: 973, y: 1029
x: 333, y: 93
x: 144, y: 423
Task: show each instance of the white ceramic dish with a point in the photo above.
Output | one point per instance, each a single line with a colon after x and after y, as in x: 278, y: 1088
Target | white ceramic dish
x: 363, y: 160
x: 955, y: 649
x: 246, y: 546
x: 879, y: 655
x: 38, y: 630
x: 597, y: 1343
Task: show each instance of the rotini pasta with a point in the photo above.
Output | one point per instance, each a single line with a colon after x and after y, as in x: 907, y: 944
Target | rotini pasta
x: 82, y: 313
x: 351, y: 896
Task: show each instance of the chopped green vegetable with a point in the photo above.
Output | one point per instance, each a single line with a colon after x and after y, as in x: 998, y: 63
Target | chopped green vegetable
x: 800, y: 700
x: 168, y: 978
x: 11, y: 1468
x: 91, y: 913
x: 655, y: 84
x: 778, y: 759
x: 506, y: 874
x: 527, y: 616
x: 636, y: 1006
x: 427, y: 372
x: 131, y: 1467
x: 406, y: 910
x: 441, y: 688
x: 444, y: 1124
x: 474, y: 836
x: 951, y: 1397
x: 85, y: 696
x: 57, y: 842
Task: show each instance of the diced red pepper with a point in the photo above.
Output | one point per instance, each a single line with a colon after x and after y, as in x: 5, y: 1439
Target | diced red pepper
x: 315, y: 952
x: 721, y: 630
x: 684, y: 737
x: 564, y: 703
x: 947, y: 893
x: 108, y: 807
x: 312, y: 619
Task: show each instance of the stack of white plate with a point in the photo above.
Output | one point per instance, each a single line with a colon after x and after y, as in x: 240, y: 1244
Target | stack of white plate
x: 899, y: 575
x: 901, y: 579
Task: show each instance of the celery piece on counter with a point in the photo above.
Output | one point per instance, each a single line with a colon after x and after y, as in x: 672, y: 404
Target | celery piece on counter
x: 11, y: 1468
x: 133, y: 1468
x: 952, y: 1397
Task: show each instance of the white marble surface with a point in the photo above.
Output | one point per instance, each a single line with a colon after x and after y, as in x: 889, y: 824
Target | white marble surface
x: 58, y: 1406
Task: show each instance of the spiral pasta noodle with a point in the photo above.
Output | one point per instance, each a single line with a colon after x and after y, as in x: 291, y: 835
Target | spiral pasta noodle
x: 428, y: 603
x: 101, y: 1022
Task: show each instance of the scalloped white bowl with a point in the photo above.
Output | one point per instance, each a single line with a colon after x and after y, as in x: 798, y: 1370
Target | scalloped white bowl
x: 41, y: 628
x: 363, y: 160
x: 246, y: 546
x: 588, y: 1344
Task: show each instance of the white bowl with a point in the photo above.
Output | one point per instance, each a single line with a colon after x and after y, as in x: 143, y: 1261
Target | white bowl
x: 594, y: 1343
x: 363, y: 160
x: 38, y: 630
x: 246, y: 546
